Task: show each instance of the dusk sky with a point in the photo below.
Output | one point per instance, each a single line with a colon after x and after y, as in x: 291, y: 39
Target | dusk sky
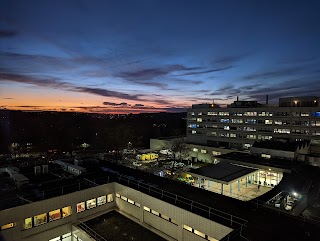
x: 155, y: 55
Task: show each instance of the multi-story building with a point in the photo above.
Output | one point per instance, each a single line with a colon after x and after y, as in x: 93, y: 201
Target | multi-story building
x: 242, y: 123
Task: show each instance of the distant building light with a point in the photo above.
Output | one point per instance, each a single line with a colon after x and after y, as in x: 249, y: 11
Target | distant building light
x: 294, y: 194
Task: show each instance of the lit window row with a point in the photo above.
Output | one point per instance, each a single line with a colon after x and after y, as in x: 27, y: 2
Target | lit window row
x: 47, y: 217
x: 266, y: 156
x: 92, y: 203
x: 284, y: 131
x: 160, y: 215
x: 251, y: 136
x: 7, y: 226
x: 127, y: 200
x: 250, y: 113
x: 202, y: 235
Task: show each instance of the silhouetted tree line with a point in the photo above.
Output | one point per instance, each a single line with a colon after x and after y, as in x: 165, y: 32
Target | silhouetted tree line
x: 66, y: 131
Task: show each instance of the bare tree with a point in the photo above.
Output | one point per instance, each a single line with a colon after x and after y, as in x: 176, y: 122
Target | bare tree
x: 179, y: 149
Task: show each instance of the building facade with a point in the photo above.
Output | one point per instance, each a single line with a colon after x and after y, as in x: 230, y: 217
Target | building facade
x: 242, y: 123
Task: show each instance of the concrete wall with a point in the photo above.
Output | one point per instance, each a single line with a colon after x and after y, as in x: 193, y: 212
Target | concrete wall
x: 58, y: 227
x: 170, y: 229
x: 181, y: 216
x: 274, y: 153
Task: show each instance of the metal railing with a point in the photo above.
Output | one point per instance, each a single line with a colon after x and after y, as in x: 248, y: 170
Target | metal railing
x: 210, y: 212
x: 91, y: 232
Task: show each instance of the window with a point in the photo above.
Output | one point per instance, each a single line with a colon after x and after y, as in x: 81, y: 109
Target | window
x: 224, y: 120
x: 251, y: 121
x: 203, y: 151
x: 137, y: 204
x: 7, y: 226
x: 118, y: 195
x: 130, y: 201
x: 285, y: 131
x: 101, y: 200
x: 40, y: 219
x: 224, y: 113
x: 91, y: 203
x: 81, y: 207
x: 27, y: 223
x: 226, y: 128
x: 124, y: 198
x: 266, y: 156
x: 199, y: 119
x: 110, y: 198
x: 199, y: 233
x: 304, y: 114
x: 146, y: 209
x: 165, y: 217
x: 195, y: 149
x: 155, y: 213
x: 251, y: 136
x: 215, y: 153
x: 194, y: 132
x: 174, y: 221
x: 238, y: 121
x: 250, y: 113
x: 268, y: 122
x: 212, y: 113
x: 233, y: 135
x: 315, y: 123
x: 278, y: 122
x: 66, y: 211
x: 186, y: 227
x: 54, y: 215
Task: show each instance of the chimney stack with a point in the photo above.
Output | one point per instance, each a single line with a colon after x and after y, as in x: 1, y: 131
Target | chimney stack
x: 237, y: 98
x: 267, y: 99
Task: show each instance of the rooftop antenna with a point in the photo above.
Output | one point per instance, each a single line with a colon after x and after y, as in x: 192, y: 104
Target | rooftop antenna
x: 237, y: 98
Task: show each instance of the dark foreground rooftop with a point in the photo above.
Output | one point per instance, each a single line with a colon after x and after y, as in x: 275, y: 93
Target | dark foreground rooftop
x: 114, y: 226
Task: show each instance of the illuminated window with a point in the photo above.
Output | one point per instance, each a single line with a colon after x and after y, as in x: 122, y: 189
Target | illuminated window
x: 146, y: 209
x: 174, y: 221
x: 130, y: 201
x: 203, y: 151
x: 233, y: 135
x: 251, y: 136
x: 165, y: 217
x: 199, y: 233
x: 194, y: 132
x: 54, y: 215
x: 215, y: 153
x: 212, y: 113
x: 101, y: 200
x: 81, y: 207
x: 137, y: 204
x: 268, y: 122
x: 186, y: 227
x: 195, y: 149
x: 155, y: 212
x: 266, y: 156
x: 7, y: 226
x: 110, y: 198
x: 118, y: 195
x: 91, y: 203
x: 199, y: 119
x: 40, y: 219
x: 66, y: 211
x: 124, y: 198
x: 27, y: 223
